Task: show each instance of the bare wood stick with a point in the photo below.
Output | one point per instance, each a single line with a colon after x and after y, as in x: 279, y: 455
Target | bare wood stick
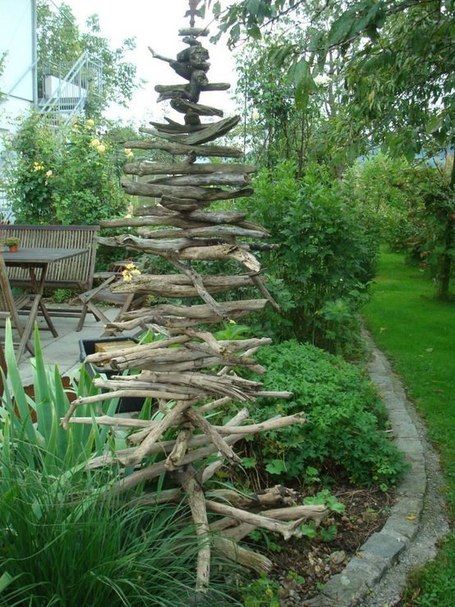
x: 148, y: 167
x: 195, y: 193
x: 181, y: 149
x: 98, y: 357
x: 198, y: 283
x: 144, y: 448
x: 315, y: 513
x: 213, y: 435
x: 244, y: 556
x: 154, y: 470
x: 197, y: 505
x: 258, y: 281
x: 180, y: 448
x: 287, y: 530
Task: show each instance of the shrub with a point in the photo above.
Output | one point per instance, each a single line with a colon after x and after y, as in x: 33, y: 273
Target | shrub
x: 63, y: 176
x: 346, y: 420
x: 413, y: 208
x: 325, y: 258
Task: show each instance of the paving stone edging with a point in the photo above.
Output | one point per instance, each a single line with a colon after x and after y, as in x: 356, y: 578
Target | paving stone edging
x: 382, y: 549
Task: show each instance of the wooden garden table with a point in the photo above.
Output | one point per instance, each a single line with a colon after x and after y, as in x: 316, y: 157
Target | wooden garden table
x: 38, y: 259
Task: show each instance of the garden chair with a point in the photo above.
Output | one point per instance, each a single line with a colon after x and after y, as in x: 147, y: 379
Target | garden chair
x: 104, y: 294
x: 9, y: 307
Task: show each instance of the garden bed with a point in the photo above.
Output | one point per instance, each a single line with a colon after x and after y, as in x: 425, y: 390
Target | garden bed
x: 302, y: 566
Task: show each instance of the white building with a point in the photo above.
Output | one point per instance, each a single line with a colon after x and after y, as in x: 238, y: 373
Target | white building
x: 18, y: 78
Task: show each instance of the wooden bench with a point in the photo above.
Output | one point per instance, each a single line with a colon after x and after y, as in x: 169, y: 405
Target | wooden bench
x: 75, y: 273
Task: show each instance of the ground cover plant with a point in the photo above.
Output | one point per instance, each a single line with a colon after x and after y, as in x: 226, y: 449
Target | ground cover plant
x: 418, y: 333
x: 345, y: 436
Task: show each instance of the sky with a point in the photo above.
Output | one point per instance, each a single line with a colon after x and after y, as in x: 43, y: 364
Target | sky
x: 155, y: 23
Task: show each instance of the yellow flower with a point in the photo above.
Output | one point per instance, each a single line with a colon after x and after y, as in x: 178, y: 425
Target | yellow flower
x: 129, y: 153
x: 101, y: 148
x: 130, y: 271
x: 49, y: 173
x: 90, y: 123
x: 95, y: 143
x: 37, y: 166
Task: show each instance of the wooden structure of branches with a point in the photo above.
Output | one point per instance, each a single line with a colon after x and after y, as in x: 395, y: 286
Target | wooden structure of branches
x: 189, y: 374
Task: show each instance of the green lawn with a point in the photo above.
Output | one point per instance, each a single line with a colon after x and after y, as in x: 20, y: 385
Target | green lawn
x: 418, y: 334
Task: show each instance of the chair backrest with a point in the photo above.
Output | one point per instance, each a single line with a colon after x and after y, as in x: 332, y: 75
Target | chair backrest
x: 73, y: 272
x: 6, y: 296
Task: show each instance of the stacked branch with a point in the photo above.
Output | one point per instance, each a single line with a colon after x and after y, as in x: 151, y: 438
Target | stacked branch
x: 188, y: 374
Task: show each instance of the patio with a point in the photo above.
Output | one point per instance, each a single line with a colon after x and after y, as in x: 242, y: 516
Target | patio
x: 64, y: 349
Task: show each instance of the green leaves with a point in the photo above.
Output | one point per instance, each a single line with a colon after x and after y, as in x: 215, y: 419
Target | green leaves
x: 300, y: 74
x: 365, y: 16
x: 276, y: 466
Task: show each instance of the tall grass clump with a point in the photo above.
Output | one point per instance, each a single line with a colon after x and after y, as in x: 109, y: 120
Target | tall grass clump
x: 61, y: 546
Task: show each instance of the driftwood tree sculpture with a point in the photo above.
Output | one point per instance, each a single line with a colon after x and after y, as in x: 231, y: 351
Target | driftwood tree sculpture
x: 189, y: 373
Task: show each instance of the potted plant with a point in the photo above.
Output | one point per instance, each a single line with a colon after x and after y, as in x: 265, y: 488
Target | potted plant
x: 12, y: 244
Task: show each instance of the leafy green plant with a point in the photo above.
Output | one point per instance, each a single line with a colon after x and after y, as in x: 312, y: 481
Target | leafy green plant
x: 30, y: 428
x: 263, y: 592
x: 345, y: 432
x: 61, y: 177
x: 325, y: 256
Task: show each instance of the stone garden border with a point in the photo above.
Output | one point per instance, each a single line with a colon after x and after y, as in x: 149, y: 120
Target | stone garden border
x: 381, y: 550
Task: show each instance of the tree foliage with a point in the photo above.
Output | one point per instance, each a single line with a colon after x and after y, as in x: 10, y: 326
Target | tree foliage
x: 61, y: 42
x: 396, y: 58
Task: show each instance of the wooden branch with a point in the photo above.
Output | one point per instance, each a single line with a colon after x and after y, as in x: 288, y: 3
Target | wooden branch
x: 164, y: 424
x: 215, y: 179
x: 181, y: 149
x: 314, y: 513
x: 180, y: 286
x: 287, y: 530
x: 243, y: 556
x: 215, y: 231
x: 193, y: 193
x: 180, y: 448
x: 210, y: 132
x: 196, y: 501
x: 198, y: 284
x: 200, y: 422
x: 259, y: 283
x: 148, y: 167
x: 154, y: 470
x: 183, y: 106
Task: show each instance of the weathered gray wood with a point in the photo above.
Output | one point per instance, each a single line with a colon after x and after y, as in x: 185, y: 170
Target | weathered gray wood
x: 148, y: 167
x: 180, y: 286
x: 211, y: 86
x: 207, y: 133
x: 213, y: 131
x: 214, y: 231
x: 216, y: 179
x: 181, y: 149
x: 170, y: 218
x: 194, y: 31
x: 171, y: 128
x: 183, y: 106
x: 184, y: 192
